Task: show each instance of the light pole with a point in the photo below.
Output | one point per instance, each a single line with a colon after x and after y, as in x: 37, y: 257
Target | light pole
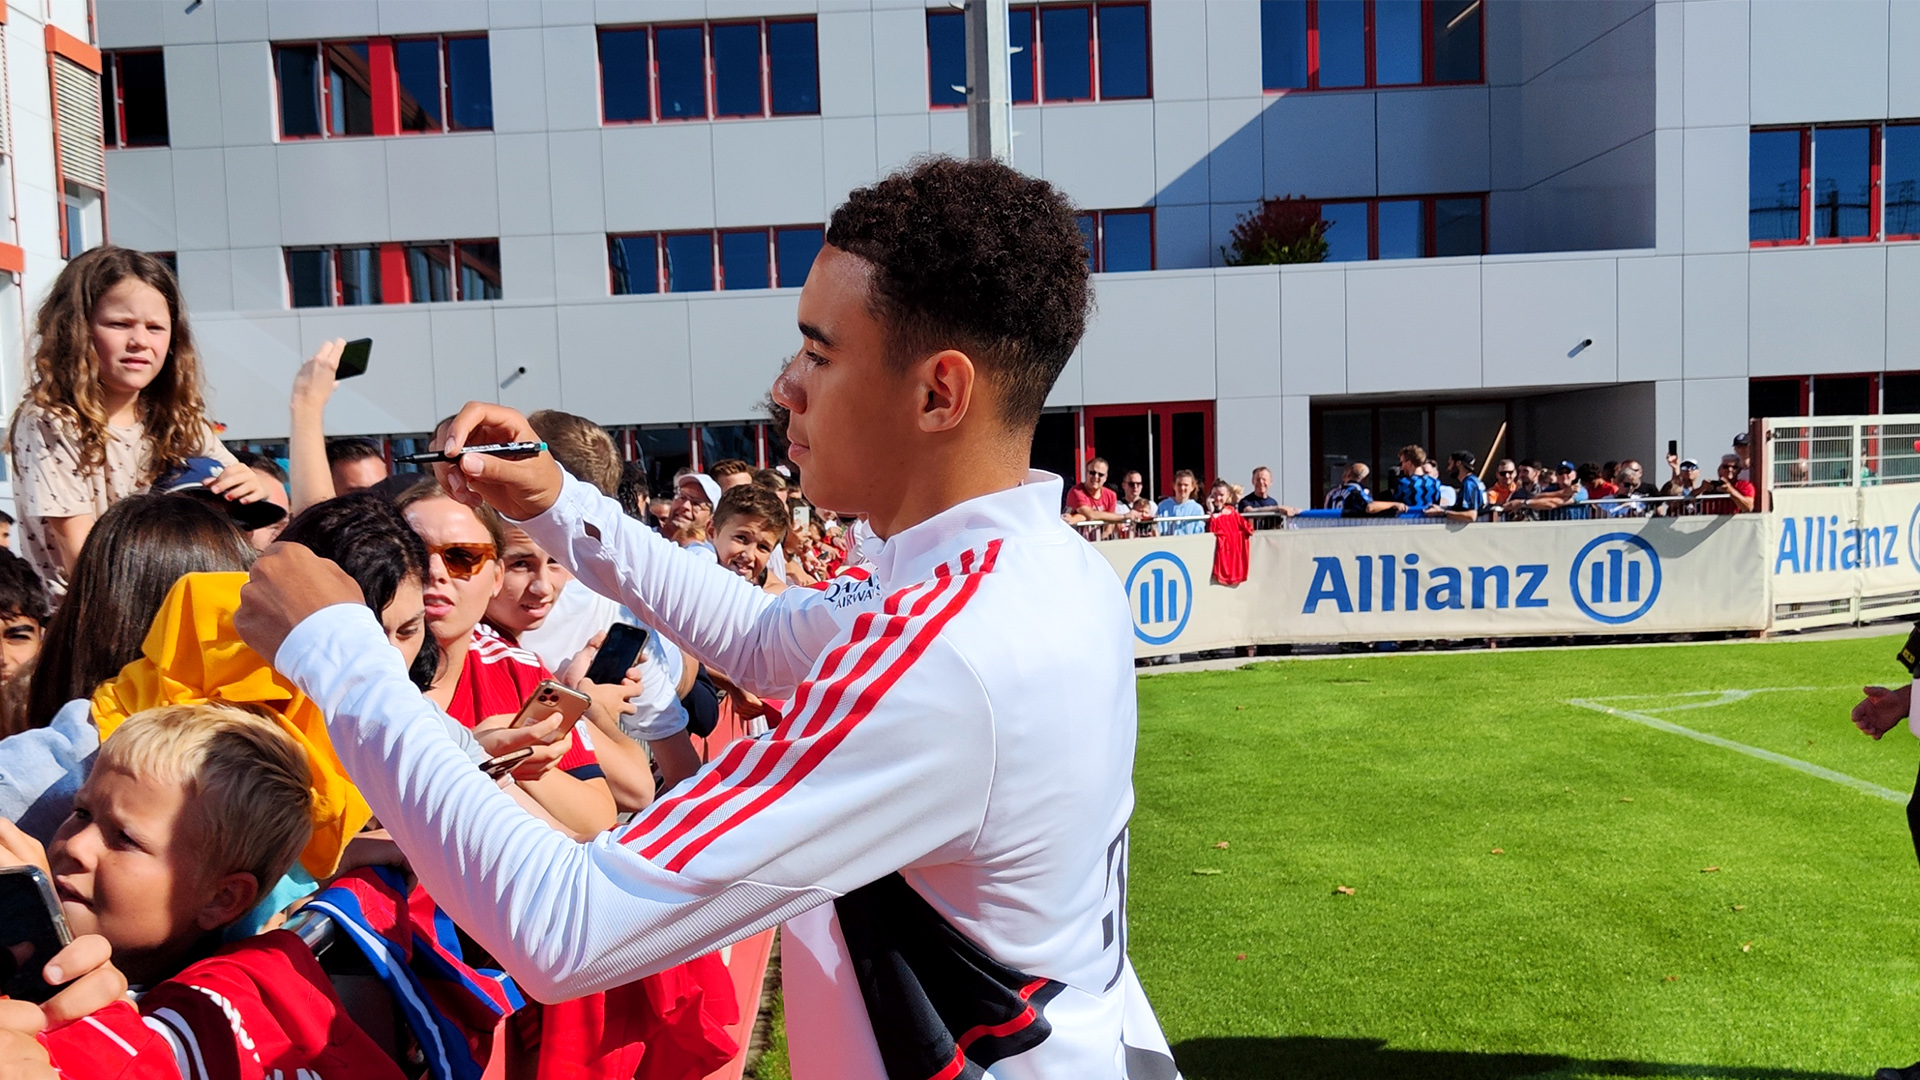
x: 989, y: 112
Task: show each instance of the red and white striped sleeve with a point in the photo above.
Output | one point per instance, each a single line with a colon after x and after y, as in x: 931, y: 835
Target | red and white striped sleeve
x: 766, y: 644
x: 884, y: 761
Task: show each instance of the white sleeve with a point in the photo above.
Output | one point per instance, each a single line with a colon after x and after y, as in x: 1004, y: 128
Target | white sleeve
x: 885, y: 762
x: 764, y: 643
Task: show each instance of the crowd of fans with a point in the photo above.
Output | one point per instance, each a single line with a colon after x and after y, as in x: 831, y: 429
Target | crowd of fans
x: 217, y: 807
x: 1520, y: 490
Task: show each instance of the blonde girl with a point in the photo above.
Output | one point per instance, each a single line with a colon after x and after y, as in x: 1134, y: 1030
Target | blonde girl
x: 115, y: 401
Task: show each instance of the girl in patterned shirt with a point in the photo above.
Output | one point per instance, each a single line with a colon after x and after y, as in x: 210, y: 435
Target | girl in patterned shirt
x: 114, y: 402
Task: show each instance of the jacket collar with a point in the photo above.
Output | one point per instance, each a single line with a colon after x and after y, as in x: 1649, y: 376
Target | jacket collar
x: 1031, y: 508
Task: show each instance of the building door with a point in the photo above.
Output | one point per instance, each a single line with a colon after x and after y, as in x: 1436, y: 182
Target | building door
x: 1157, y: 439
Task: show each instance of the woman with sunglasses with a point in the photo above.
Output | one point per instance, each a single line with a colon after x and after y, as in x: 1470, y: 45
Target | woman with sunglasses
x: 482, y: 680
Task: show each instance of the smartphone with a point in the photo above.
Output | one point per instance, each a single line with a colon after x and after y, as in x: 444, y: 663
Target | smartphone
x: 512, y: 451
x: 617, y: 654
x: 353, y: 358
x: 32, y: 930
x: 801, y: 515
x: 495, y: 768
x: 549, y: 698
x: 1673, y: 447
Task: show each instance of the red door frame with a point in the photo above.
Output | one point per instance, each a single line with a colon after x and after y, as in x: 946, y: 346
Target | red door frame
x: 1161, y: 432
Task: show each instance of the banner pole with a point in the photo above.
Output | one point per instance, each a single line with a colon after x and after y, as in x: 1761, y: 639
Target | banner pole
x: 1487, y: 461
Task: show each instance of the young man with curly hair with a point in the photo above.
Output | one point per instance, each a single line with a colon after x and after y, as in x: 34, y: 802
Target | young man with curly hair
x: 940, y: 820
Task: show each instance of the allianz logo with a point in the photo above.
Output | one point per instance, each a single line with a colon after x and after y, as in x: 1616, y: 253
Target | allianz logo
x: 1813, y: 545
x: 1614, y: 579
x: 1399, y: 582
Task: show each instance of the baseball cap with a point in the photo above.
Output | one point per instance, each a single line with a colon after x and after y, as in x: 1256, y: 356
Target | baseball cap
x: 1742, y: 439
x: 707, y: 486
x: 1689, y: 463
x: 1568, y: 466
x: 190, y: 479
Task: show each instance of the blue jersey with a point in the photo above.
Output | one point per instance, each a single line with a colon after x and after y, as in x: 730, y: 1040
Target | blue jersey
x: 1418, y: 491
x: 1473, y: 495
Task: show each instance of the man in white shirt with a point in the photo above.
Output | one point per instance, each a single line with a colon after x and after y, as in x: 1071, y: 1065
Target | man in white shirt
x: 940, y: 820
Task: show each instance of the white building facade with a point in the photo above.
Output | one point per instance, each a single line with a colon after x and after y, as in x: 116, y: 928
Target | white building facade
x: 52, y: 176
x: 1572, y: 218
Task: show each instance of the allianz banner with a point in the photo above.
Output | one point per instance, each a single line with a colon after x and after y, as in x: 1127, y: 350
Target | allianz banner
x: 1386, y: 583
x: 1839, y: 554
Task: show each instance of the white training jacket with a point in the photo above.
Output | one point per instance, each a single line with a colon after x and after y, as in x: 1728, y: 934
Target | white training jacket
x: 941, y: 815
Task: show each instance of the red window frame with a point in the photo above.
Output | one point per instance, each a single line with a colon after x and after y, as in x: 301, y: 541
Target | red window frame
x: 770, y: 232
x: 1160, y: 418
x: 1100, y: 237
x: 110, y: 62
x: 706, y: 51
x: 1429, y: 221
x: 384, y: 86
x: 1881, y: 186
x: 1806, y: 187
x: 1876, y: 136
x: 391, y: 257
x: 1427, y: 77
x: 1036, y: 55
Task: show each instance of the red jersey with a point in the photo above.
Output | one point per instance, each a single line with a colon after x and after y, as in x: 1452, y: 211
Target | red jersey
x: 1230, y: 546
x: 258, y: 1009
x: 498, y: 678
x: 1078, y: 499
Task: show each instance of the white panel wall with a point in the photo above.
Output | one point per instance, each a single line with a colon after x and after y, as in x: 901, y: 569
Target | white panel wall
x: 1818, y: 310
x: 1151, y: 339
x: 1815, y: 60
x: 1535, y: 314
x: 1413, y: 327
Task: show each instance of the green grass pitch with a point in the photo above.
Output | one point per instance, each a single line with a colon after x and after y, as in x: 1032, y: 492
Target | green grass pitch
x: 1598, y: 943
x: 1659, y: 906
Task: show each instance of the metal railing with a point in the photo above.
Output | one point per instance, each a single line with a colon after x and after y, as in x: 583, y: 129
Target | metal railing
x: 1842, y: 451
x: 1590, y: 510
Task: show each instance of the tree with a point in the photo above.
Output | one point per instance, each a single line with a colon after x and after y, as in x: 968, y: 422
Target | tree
x: 1279, y: 230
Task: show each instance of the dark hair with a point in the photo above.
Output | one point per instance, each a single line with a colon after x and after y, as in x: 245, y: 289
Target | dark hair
x: 1587, y: 472
x: 261, y: 462
x: 771, y: 480
x: 1534, y: 464
x: 21, y: 591
x: 353, y: 449
x: 751, y: 501
x: 974, y: 256
x: 728, y: 467
x: 633, y: 493
x: 5, y: 518
x: 136, y: 551
x: 581, y: 446
x: 370, y: 539
x: 65, y: 380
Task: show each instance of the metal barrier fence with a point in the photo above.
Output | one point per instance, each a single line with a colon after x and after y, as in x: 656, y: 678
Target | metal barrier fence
x: 1590, y: 510
x: 1841, y: 451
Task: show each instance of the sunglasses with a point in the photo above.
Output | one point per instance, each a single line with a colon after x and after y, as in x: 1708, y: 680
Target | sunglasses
x: 1505, y: 472
x: 462, y: 560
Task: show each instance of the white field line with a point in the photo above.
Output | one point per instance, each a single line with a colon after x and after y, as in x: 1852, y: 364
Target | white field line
x: 1726, y: 697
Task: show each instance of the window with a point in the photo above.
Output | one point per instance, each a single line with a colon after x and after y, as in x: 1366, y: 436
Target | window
x: 1118, y: 240
x: 81, y: 224
x: 1844, y: 163
x: 384, y: 86
x: 1060, y: 53
x: 723, y: 259
x: 1353, y: 44
x: 79, y: 161
x: 1900, y: 180
x: 1429, y: 226
x: 133, y: 98
x: 709, y: 71
x: 410, y: 273
x: 1833, y: 184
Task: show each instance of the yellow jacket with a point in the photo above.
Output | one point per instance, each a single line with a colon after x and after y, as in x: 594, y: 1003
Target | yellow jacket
x: 192, y: 656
